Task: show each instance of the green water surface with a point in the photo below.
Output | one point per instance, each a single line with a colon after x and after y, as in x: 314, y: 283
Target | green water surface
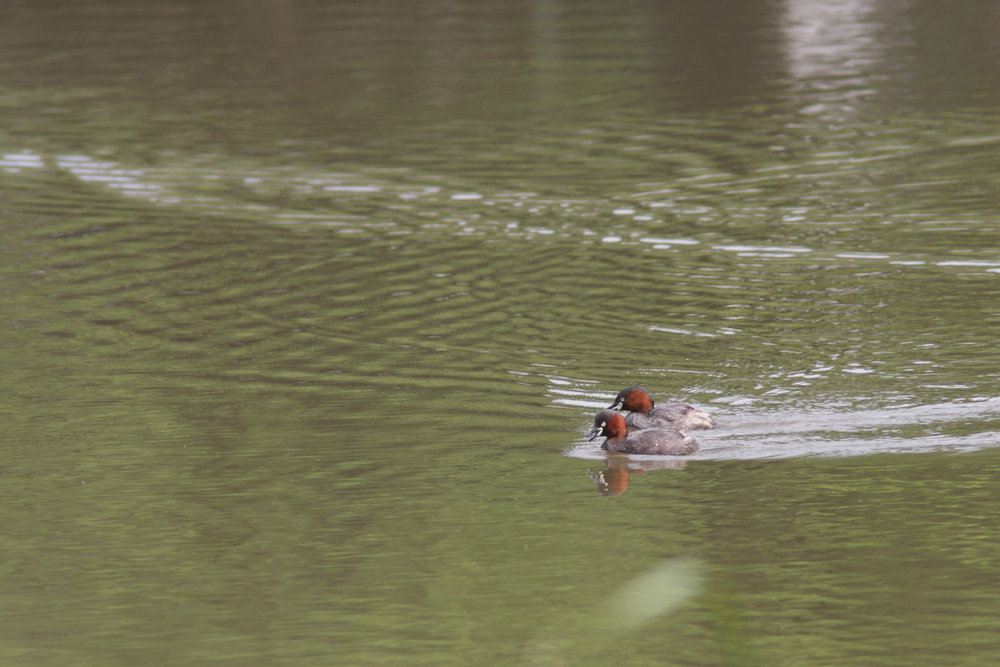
x: 307, y: 306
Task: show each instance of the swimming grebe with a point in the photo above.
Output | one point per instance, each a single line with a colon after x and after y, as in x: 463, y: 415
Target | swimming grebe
x: 644, y: 414
x: 662, y: 441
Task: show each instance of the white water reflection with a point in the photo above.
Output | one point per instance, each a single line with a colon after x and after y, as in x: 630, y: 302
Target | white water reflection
x: 382, y: 201
x: 761, y: 251
x: 830, y: 39
x: 13, y: 163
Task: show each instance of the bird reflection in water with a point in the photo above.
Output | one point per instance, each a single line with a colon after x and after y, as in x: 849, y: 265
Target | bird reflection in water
x: 613, y: 479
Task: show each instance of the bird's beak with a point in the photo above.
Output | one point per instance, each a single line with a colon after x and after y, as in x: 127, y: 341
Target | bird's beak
x: 617, y: 405
x: 594, y: 432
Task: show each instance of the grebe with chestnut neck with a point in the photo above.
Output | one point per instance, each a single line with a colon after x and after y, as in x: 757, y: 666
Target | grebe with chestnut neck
x: 644, y: 413
x: 657, y: 441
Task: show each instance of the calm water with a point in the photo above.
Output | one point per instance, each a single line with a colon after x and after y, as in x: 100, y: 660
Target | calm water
x: 307, y: 306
